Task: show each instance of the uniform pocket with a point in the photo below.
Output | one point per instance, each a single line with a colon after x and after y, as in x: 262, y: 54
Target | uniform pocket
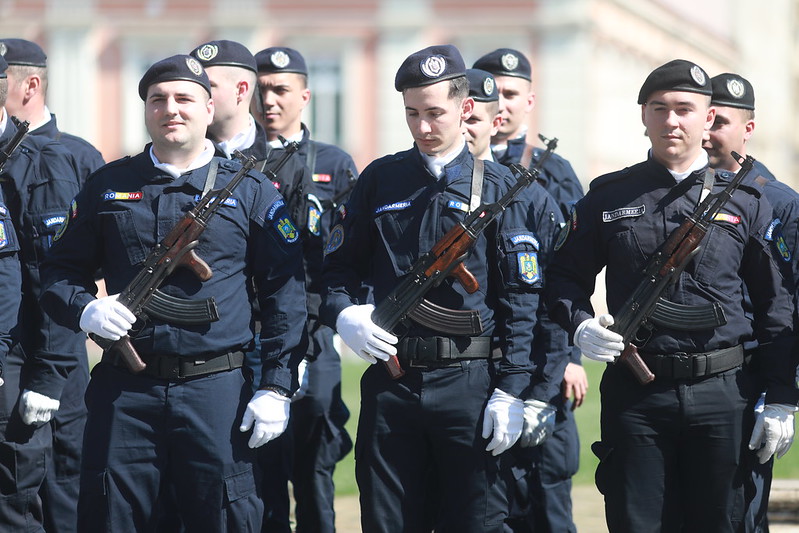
x: 120, y: 236
x: 240, y: 485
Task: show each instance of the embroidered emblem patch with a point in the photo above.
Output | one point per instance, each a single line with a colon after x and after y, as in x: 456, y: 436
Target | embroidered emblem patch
x: 73, y: 209
x: 433, y: 66
x: 3, y: 236
x: 525, y: 237
x: 624, y: 212
x: 123, y: 196
x: 313, y: 220
x: 397, y: 206
x: 273, y: 210
x: 528, y: 267
x: 342, y: 211
x: 336, y: 239
x: 287, y: 230
x: 322, y: 178
x: 460, y: 206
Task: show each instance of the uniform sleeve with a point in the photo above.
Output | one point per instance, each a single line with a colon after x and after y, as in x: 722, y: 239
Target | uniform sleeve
x: 57, y: 347
x: 769, y: 281
x: 279, y: 278
x: 348, y: 254
x: 10, y: 283
x: 577, y: 260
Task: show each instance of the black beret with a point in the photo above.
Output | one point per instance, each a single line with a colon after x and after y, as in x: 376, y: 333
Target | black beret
x: 224, y: 53
x: 676, y: 75
x: 428, y: 66
x: 22, y: 52
x: 505, y: 62
x: 280, y: 59
x: 731, y: 90
x: 3, y: 67
x: 482, y: 86
x: 179, y: 67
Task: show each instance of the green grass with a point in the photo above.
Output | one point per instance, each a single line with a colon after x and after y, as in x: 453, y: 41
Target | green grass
x: 587, y: 417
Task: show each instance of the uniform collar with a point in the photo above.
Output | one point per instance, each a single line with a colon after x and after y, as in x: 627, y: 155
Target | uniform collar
x: 203, y: 159
x: 436, y: 164
x: 241, y: 141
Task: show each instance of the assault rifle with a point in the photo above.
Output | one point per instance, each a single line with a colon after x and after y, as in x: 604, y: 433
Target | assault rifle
x: 635, y: 320
x: 446, y: 259
x: 176, y: 249
x: 13, y: 142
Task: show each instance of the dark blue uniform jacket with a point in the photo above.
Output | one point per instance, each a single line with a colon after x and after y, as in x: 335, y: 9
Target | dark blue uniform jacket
x: 129, y: 206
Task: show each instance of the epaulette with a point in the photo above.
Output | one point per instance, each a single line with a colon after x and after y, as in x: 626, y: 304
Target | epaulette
x: 753, y: 183
x: 388, y: 159
x: 116, y: 163
x: 613, y: 176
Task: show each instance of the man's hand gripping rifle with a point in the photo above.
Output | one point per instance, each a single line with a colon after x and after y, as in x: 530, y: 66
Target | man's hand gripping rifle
x: 407, y: 300
x: 634, y: 321
x: 176, y: 249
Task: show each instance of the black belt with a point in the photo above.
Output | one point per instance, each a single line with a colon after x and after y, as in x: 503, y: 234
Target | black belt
x: 694, y: 365
x: 436, y: 352
x: 179, y: 367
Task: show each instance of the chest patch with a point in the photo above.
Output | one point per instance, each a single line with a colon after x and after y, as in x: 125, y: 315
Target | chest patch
x: 122, y: 196
x: 458, y: 206
x: 725, y: 217
x: 321, y: 178
x: 624, y: 212
x: 230, y: 202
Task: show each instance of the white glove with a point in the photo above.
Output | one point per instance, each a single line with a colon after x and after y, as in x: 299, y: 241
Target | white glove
x: 504, y: 416
x: 773, y: 431
x: 302, y: 377
x: 596, y: 341
x: 107, y: 318
x: 371, y: 342
x: 269, y: 412
x: 35, y: 408
x: 539, y: 423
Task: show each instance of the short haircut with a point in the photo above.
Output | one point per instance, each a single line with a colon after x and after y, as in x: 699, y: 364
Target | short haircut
x: 23, y: 71
x: 458, y: 88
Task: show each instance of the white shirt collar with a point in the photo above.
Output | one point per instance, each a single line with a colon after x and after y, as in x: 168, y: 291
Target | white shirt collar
x: 436, y: 164
x: 203, y: 159
x: 47, y: 117
x: 240, y: 141
x: 297, y: 137
x: 701, y: 162
x: 4, y: 121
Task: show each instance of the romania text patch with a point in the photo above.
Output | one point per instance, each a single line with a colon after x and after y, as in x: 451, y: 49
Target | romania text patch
x: 725, y: 217
x: 230, y: 202
x: 122, y: 196
x: 460, y: 206
x: 321, y: 178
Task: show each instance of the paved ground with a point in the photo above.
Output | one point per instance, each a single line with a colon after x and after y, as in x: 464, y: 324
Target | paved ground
x: 588, y: 511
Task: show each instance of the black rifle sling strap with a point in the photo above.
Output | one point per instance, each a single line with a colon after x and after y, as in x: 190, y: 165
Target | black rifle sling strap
x: 174, y: 310
x: 310, y: 157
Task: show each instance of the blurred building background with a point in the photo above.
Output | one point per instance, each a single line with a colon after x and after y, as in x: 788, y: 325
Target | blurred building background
x: 589, y: 59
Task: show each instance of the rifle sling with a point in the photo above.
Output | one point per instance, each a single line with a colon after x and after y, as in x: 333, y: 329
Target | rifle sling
x: 476, y: 196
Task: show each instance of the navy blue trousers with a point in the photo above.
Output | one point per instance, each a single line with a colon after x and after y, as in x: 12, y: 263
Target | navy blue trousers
x: 146, y: 438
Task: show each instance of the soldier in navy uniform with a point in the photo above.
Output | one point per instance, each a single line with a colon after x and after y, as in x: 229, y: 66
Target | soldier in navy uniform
x: 670, y: 450
x: 27, y: 91
x: 38, y: 182
x: 318, y: 412
x: 189, y: 422
x: 733, y: 126
x: 544, y: 490
x: 11, y: 285
x: 460, y: 403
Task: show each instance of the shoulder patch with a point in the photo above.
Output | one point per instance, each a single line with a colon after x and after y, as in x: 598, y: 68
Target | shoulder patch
x: 336, y: 239
x: 529, y: 271
x: 3, y: 236
x: 525, y: 237
x: 285, y: 227
x: 774, y: 236
x: 568, y: 227
x: 396, y: 206
x: 275, y: 206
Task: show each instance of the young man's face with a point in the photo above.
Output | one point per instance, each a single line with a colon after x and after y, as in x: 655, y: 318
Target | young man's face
x: 434, y: 119
x: 676, y: 123
x: 731, y: 129
x: 481, y: 126
x: 284, y: 96
x: 177, y: 114
x: 516, y: 100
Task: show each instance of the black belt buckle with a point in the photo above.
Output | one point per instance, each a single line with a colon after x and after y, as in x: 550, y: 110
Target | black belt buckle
x: 682, y: 366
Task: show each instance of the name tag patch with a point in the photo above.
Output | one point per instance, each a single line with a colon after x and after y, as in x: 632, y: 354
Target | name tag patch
x: 230, y: 202
x: 624, y: 212
x: 529, y: 271
x: 123, y: 196
x: 397, y: 206
x: 525, y: 237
